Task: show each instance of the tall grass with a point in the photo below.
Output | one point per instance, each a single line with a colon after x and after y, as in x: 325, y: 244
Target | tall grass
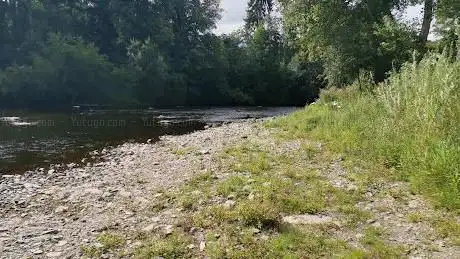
x: 410, y: 123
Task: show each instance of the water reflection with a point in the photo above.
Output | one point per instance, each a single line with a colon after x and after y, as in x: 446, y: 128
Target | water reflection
x: 29, y: 140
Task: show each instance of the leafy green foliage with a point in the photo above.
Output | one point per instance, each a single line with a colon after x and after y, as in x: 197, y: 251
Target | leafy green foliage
x: 407, y: 126
x: 156, y: 53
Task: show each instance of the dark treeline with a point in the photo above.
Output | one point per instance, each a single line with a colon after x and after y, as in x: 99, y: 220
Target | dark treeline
x: 57, y: 53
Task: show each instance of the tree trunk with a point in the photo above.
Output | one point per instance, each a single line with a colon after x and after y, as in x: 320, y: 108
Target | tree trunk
x: 427, y: 19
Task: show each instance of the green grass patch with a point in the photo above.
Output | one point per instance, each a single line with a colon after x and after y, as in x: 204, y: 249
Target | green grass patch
x: 448, y: 228
x: 172, y: 246
x: 405, y: 127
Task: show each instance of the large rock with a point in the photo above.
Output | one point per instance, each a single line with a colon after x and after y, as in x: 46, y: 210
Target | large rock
x: 307, y: 219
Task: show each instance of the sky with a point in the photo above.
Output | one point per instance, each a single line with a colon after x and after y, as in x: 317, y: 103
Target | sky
x: 235, y: 10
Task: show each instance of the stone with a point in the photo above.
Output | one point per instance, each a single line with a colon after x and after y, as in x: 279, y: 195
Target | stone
x: 50, y: 232
x: 61, y: 209
x: 98, y: 245
x: 61, y: 243
x: 168, y: 230
x: 255, y: 230
x: 124, y: 194
x: 307, y: 219
x: 229, y: 204
x: 202, y: 246
x: 149, y: 228
x: 71, y: 165
x: 413, y: 204
x: 51, y: 171
x: 54, y: 254
x: 37, y: 251
x: 93, y: 191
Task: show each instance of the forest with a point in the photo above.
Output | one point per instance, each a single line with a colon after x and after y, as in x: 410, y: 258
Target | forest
x: 58, y: 53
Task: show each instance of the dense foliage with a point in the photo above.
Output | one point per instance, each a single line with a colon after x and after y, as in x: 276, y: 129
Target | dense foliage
x: 159, y: 53
x: 406, y: 127
x: 164, y: 53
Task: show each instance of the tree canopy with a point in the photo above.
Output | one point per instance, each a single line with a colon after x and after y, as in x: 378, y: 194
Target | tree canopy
x: 164, y: 52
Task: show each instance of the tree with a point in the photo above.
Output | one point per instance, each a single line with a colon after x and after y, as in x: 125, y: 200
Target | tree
x: 428, y: 13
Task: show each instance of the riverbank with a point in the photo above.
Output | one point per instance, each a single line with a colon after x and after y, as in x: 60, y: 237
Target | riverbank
x: 238, y: 190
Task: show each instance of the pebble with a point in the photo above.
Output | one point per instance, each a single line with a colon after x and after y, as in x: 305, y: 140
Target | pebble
x: 61, y: 243
x: 149, y: 228
x: 54, y: 254
x: 61, y: 209
x: 37, y: 251
x: 229, y: 204
x: 50, y: 232
x: 202, y: 246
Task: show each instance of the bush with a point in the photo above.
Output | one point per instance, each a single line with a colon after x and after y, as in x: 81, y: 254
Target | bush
x: 408, y: 124
x: 67, y: 71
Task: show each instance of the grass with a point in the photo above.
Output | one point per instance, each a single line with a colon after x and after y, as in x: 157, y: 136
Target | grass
x: 449, y: 229
x: 377, y: 248
x: 173, y: 246
x: 405, y: 128
x: 108, y: 242
x: 264, y: 187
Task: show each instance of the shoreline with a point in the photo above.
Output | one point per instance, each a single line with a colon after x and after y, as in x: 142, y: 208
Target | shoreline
x: 228, y: 190
x: 51, y: 213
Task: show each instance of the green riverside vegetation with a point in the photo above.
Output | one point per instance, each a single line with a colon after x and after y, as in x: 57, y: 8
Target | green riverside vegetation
x: 408, y: 124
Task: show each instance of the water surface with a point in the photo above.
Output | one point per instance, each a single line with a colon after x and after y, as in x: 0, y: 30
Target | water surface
x: 29, y: 140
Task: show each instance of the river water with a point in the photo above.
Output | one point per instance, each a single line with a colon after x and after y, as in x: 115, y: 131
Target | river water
x: 31, y: 140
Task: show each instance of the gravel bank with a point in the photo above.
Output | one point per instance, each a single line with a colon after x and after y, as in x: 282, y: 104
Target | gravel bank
x: 50, y: 213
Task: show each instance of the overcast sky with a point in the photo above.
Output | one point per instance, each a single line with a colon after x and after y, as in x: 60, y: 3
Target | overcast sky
x: 235, y: 10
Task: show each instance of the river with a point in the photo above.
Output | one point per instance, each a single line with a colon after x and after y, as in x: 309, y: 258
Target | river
x: 30, y: 140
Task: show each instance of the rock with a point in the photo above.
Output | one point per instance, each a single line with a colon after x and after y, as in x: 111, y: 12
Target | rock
x: 168, y: 230
x: 54, y: 254
x: 71, y: 165
x: 57, y: 237
x: 51, y: 171
x: 98, y: 245
x: 229, y: 204
x: 156, y: 195
x: 30, y: 186
x: 50, y: 232
x: 413, y: 204
x: 107, y: 194
x: 149, y: 228
x: 255, y: 230
x: 37, y: 251
x: 93, y: 191
x: 307, y: 219
x: 61, y: 243
x: 61, y: 209
x: 202, y: 246
x: 204, y: 152
x: 124, y: 194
